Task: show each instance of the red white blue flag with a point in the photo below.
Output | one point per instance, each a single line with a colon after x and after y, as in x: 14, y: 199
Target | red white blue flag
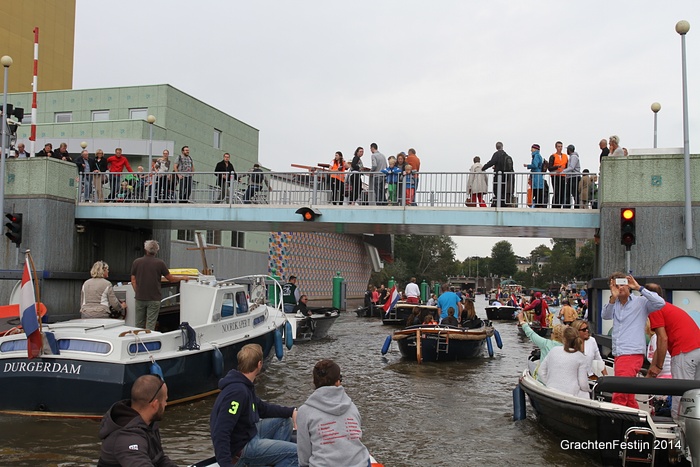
x: 394, y: 297
x: 27, y: 312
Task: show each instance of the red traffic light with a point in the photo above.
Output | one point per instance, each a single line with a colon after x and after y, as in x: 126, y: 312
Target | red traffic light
x: 14, y: 228
x: 308, y: 214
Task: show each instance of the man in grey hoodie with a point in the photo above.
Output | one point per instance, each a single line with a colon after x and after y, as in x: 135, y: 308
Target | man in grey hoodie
x: 378, y: 186
x: 573, y: 176
x: 328, y: 424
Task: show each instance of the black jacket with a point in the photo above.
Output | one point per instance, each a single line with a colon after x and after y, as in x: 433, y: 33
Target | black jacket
x: 86, y: 166
x: 497, y: 162
x: 222, y: 168
x: 128, y: 441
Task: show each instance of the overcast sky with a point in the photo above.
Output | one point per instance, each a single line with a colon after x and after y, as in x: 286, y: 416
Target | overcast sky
x: 448, y: 77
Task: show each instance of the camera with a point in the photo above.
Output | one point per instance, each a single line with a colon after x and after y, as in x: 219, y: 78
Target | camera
x: 621, y: 281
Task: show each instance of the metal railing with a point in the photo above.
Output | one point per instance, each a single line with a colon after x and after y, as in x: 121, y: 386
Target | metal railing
x: 433, y: 189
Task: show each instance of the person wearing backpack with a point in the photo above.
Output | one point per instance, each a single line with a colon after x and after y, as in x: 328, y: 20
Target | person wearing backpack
x: 499, y: 162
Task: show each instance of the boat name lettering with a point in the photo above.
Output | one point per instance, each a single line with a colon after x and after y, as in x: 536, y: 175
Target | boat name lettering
x: 244, y: 323
x: 42, y: 367
x: 616, y: 444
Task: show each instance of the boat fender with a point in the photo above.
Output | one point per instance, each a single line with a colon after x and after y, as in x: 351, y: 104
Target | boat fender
x: 279, y: 348
x: 288, y: 337
x: 519, y: 410
x: 499, y: 341
x: 489, y: 345
x: 217, y: 363
x: 387, y: 344
x: 157, y: 370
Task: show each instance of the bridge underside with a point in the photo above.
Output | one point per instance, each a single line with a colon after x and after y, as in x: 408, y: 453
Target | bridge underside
x: 417, y: 220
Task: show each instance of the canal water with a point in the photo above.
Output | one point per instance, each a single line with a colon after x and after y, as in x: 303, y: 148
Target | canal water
x: 433, y: 414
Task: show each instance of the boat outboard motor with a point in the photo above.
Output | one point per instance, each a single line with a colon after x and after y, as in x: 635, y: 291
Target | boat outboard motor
x: 689, y: 421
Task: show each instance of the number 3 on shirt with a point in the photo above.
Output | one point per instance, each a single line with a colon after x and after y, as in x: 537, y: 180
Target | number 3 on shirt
x: 234, y: 408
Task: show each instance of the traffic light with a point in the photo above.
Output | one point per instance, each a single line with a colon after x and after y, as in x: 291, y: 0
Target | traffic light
x: 628, y: 218
x: 14, y: 228
x: 308, y: 214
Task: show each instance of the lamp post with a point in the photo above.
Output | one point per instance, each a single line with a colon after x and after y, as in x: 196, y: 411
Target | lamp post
x: 6, y: 62
x: 682, y: 28
x: 151, y: 120
x: 655, y: 107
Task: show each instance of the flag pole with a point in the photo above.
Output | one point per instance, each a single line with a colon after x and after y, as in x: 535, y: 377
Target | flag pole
x: 28, y: 254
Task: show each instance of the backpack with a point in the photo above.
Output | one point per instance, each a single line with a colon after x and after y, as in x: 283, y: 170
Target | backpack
x: 545, y: 165
x: 507, y: 163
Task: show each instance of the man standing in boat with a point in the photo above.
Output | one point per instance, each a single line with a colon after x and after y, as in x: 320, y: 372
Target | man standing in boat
x: 629, y: 314
x: 145, y: 279
x: 129, y: 430
x: 290, y: 294
x: 246, y: 430
x: 412, y: 292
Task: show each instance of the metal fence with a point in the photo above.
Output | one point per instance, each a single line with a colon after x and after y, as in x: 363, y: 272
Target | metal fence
x: 437, y: 189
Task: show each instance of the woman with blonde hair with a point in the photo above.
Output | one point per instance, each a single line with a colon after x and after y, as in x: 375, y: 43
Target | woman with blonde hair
x: 97, y: 295
x: 566, y: 368
x: 590, y: 348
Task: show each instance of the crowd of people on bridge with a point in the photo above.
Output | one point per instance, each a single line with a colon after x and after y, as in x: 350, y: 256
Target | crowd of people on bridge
x: 557, y: 181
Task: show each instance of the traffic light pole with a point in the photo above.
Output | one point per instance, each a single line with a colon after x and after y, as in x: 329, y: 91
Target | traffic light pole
x: 628, y: 261
x: 4, y: 139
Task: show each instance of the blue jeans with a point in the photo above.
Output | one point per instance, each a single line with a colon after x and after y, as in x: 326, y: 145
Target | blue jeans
x: 271, y: 446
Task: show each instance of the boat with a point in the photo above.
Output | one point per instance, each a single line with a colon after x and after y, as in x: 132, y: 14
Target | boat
x: 402, y: 310
x: 312, y: 327
x: 203, y: 323
x: 372, y: 311
x: 616, y: 434
x: 502, y: 313
x: 434, y: 342
x: 537, y: 328
x: 211, y: 462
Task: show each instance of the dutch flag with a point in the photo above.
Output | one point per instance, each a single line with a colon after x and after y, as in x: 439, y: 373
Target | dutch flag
x: 394, y: 297
x: 28, y: 315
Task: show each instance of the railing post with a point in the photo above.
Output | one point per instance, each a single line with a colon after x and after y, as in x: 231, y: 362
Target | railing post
x: 314, y: 193
x: 432, y: 198
x: 499, y: 188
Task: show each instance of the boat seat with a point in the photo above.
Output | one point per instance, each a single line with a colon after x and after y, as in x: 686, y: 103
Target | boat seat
x: 663, y: 420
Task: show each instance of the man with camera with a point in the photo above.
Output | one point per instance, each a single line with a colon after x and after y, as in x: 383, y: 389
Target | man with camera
x: 629, y: 314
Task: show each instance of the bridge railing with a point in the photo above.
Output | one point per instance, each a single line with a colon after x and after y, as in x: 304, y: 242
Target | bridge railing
x: 435, y: 189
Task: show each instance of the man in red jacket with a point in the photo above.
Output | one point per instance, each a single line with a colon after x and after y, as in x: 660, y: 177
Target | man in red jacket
x: 115, y: 165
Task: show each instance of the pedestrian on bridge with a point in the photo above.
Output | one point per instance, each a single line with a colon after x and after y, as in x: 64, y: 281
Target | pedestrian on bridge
x: 184, y: 166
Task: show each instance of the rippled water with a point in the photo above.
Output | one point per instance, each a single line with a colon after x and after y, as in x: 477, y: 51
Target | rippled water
x: 446, y: 414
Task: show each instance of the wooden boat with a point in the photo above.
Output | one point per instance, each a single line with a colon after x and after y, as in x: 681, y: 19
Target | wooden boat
x: 432, y: 343
x: 501, y: 313
x: 313, y: 327
x: 402, y: 310
x: 616, y: 434
x: 202, y: 328
x: 539, y: 330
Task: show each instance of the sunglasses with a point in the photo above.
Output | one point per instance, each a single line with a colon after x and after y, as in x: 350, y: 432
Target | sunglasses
x: 157, y: 391
x: 583, y: 330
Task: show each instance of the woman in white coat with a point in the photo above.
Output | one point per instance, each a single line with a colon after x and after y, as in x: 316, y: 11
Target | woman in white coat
x: 477, y: 185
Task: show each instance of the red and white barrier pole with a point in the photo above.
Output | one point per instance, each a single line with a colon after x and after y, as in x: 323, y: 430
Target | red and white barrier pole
x: 32, y: 138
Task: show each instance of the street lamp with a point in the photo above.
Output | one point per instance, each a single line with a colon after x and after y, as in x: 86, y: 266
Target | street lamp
x: 682, y: 28
x: 655, y: 107
x: 151, y: 120
x: 6, y: 62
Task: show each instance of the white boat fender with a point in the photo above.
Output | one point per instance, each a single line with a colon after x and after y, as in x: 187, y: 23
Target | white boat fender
x: 387, y: 344
x: 217, y: 363
x: 499, y: 341
x: 279, y: 348
x: 288, y: 337
x: 519, y: 407
x: 489, y: 345
x: 157, y: 370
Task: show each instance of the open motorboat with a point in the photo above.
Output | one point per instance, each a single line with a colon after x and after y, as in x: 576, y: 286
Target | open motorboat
x: 314, y: 326
x: 434, y: 342
x: 95, y: 362
x: 502, y: 313
x: 400, y: 312
x: 617, y: 434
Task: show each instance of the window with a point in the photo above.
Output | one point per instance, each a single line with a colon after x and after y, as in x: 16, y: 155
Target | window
x: 150, y: 346
x: 227, y: 306
x: 138, y: 114
x: 185, y: 235
x: 213, y: 237
x: 100, y: 115
x: 63, y: 117
x: 242, y: 303
x: 81, y: 345
x: 217, y: 138
x: 237, y: 239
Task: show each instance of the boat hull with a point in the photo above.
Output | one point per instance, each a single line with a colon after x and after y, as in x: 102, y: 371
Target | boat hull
x: 316, y: 326
x: 501, y: 313
x: 82, y: 388
x: 440, y: 344
x: 542, y: 332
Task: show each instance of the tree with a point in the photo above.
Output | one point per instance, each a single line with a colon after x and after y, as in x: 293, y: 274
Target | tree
x: 426, y: 257
x: 585, y: 262
x: 503, y: 261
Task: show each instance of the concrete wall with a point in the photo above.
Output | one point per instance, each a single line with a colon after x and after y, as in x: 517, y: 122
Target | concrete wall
x: 654, y: 185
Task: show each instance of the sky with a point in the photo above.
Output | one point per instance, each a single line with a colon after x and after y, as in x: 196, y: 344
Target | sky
x: 448, y: 78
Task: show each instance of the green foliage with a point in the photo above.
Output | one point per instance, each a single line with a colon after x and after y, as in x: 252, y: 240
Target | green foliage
x: 503, y: 261
x: 425, y: 257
